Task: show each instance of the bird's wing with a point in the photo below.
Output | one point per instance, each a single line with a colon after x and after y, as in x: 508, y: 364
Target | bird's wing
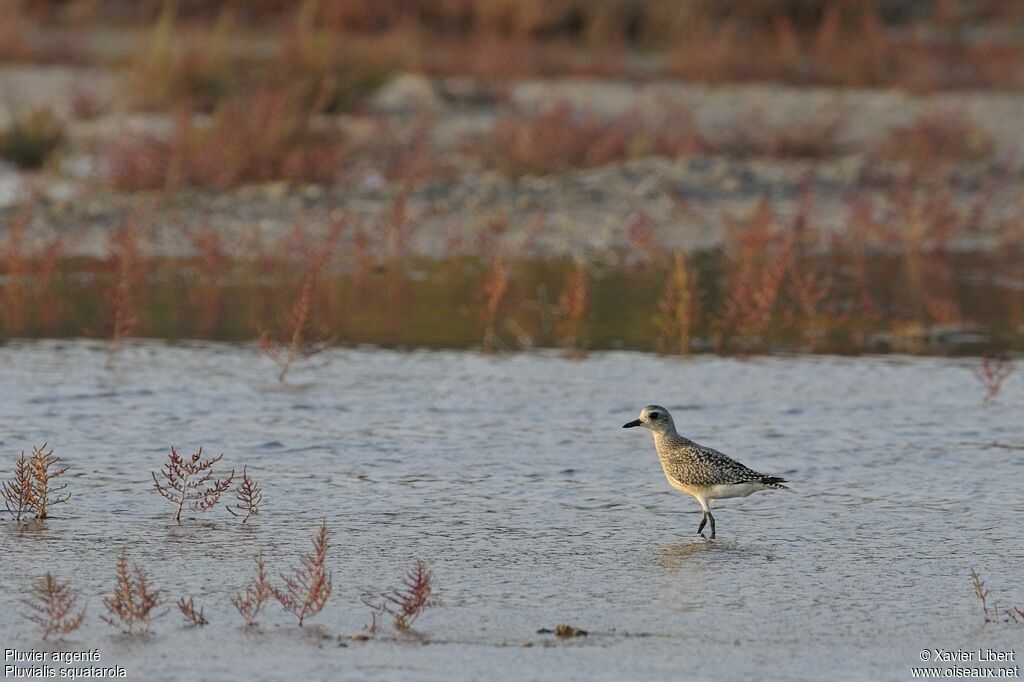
x: 730, y: 470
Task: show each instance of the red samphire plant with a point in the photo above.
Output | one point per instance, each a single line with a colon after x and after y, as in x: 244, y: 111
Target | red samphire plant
x: 308, y: 586
x: 257, y: 592
x: 184, y: 480
x: 406, y: 603
x: 249, y: 496
x: 52, y: 606
x: 133, y: 600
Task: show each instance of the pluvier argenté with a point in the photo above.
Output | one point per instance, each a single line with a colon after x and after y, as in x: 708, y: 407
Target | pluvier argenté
x: 704, y: 473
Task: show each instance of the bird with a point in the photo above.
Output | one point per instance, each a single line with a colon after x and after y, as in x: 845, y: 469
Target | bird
x: 699, y: 471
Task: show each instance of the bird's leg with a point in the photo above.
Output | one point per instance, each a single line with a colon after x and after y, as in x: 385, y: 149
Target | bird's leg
x: 703, y: 522
x: 712, y: 520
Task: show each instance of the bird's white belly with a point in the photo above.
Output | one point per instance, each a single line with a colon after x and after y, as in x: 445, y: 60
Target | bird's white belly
x: 717, y: 492
x: 721, y: 492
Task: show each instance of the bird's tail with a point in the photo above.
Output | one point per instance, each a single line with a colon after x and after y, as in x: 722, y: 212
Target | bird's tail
x: 774, y: 482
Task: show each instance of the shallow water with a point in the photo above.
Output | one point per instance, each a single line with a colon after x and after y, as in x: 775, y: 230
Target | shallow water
x: 939, y: 303
x: 511, y: 477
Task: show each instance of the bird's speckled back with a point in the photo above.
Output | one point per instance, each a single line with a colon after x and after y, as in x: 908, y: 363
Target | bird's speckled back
x: 694, y: 465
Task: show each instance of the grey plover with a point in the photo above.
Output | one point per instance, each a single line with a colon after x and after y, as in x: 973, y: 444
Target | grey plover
x: 704, y: 473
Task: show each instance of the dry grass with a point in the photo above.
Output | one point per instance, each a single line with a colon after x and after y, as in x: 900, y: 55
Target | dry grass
x: 191, y: 54
x: 936, y: 137
x: 199, y: 62
x: 402, y: 151
x: 190, y: 65
x: 991, y: 372
x: 553, y: 140
x: 327, y: 71
x: 498, y: 59
x: 558, y: 137
x: 257, y: 138
x: 844, y: 44
x: 818, y: 135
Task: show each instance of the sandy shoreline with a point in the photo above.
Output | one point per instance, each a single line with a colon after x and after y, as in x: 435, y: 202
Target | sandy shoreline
x: 685, y: 203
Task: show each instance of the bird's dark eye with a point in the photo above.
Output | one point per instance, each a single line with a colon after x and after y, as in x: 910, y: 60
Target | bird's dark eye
x: 654, y: 415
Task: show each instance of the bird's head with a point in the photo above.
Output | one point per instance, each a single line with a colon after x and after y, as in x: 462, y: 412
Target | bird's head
x: 654, y: 417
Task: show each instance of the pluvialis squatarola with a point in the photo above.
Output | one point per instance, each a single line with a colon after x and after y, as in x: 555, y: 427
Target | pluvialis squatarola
x: 699, y: 471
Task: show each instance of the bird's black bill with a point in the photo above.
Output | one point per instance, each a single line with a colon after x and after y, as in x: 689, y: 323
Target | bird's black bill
x: 635, y: 422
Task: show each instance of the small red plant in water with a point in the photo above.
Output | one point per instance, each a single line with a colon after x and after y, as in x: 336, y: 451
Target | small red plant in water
x: 122, y: 317
x: 493, y: 293
x: 43, y: 467
x: 33, y: 488
x: 981, y: 593
x: 1012, y: 614
x: 29, y: 274
x: 406, y: 603
x: 398, y: 232
x: 249, y: 496
x: 188, y: 609
x: 761, y: 256
x: 308, y: 586
x: 284, y: 353
x: 299, y: 342
x: 498, y: 279
x: 53, y: 607
x: 991, y: 373
x: 133, y: 600
x: 572, y: 305
x: 256, y: 593
x: 676, y: 309
x: 211, y: 263
x: 184, y: 480
x: 18, y: 493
